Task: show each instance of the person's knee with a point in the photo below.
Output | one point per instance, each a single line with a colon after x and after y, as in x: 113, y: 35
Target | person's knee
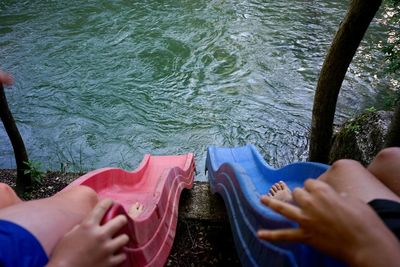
x: 388, y: 154
x: 81, y: 194
x: 340, y: 168
x: 7, y: 192
x: 87, y: 194
x: 345, y: 164
x: 7, y: 196
x: 5, y: 189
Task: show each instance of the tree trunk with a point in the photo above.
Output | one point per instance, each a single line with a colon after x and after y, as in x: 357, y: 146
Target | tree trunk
x: 393, y: 135
x: 340, y: 54
x: 24, y: 181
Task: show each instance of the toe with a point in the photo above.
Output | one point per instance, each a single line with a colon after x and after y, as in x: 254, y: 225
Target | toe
x: 279, y: 185
x: 283, y: 185
x: 271, y: 192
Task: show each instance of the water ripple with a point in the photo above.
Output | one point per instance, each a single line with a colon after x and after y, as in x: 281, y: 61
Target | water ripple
x: 102, y: 83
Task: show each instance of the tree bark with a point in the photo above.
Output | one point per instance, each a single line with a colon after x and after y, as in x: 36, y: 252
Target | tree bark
x: 340, y: 54
x: 393, y: 135
x: 24, y: 181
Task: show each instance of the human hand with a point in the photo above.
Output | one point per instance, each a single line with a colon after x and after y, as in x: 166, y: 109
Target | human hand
x: 91, y: 244
x: 339, y: 225
x: 6, y: 78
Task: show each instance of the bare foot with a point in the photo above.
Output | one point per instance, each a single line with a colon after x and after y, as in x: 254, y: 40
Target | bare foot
x: 135, y: 210
x: 281, y: 191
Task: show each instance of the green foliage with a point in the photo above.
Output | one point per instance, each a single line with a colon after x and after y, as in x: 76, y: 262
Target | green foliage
x: 352, y: 128
x: 392, y: 46
x: 392, y: 54
x: 393, y: 2
x: 371, y: 109
x: 26, y: 195
x: 35, y: 172
x: 354, y: 125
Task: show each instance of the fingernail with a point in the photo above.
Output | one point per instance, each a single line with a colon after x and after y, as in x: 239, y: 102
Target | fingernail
x: 265, y: 198
x: 261, y: 233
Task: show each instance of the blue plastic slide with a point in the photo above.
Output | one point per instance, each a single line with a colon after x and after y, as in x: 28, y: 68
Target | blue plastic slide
x: 240, y: 175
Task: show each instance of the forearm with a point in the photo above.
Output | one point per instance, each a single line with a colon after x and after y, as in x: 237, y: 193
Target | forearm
x: 384, y: 251
x: 53, y: 263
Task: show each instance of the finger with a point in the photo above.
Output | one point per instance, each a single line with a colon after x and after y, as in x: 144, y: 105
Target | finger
x: 117, y: 259
x: 320, y: 189
x: 301, y: 197
x: 6, y: 78
x: 118, y: 242
x: 113, y: 226
x: 71, y: 232
x: 313, y: 185
x: 282, y: 235
x: 74, y: 228
x: 99, y: 211
x: 288, y: 210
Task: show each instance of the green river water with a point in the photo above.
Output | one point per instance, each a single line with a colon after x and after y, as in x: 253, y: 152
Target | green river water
x: 101, y: 83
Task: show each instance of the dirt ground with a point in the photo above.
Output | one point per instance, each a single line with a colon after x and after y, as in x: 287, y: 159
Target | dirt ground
x: 197, y: 242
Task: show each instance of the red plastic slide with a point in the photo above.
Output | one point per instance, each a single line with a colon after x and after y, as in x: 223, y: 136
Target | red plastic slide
x: 150, y: 197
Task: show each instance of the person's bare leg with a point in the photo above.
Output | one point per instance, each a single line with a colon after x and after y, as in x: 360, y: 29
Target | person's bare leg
x: 351, y: 178
x: 386, y: 167
x: 281, y: 192
x: 50, y: 218
x: 7, y: 196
